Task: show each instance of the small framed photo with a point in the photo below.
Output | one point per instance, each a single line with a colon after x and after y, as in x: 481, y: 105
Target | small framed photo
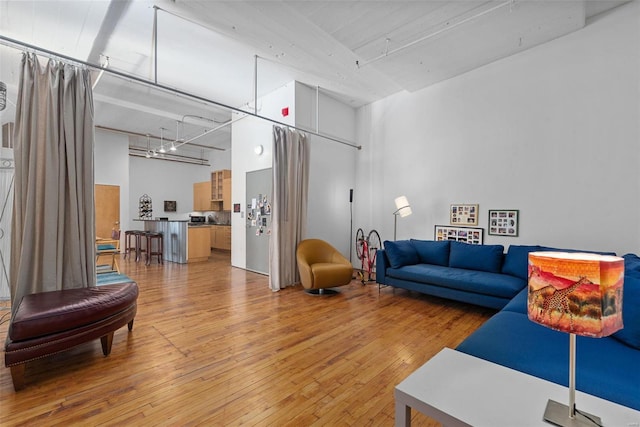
x: 170, y: 205
x: 463, y: 215
x: 470, y: 235
x: 504, y: 222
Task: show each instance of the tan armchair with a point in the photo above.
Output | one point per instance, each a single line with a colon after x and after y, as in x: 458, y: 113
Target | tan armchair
x: 322, y: 266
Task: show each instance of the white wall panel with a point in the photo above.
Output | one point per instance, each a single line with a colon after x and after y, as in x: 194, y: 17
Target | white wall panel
x: 553, y: 132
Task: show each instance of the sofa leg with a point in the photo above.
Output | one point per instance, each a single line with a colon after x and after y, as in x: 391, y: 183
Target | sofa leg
x: 130, y: 325
x: 17, y: 376
x: 106, y: 342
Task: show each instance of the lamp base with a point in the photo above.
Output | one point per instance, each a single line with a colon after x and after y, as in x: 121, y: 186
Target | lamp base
x: 558, y: 414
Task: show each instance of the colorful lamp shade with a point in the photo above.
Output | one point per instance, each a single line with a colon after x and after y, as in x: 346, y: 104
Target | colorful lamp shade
x: 577, y: 293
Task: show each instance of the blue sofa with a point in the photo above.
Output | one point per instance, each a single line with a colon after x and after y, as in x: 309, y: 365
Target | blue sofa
x: 605, y: 367
x: 476, y: 274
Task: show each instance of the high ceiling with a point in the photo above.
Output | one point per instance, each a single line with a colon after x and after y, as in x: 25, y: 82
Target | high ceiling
x: 356, y: 51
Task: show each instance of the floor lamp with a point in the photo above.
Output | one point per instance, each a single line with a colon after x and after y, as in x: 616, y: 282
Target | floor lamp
x: 403, y: 209
x: 580, y: 294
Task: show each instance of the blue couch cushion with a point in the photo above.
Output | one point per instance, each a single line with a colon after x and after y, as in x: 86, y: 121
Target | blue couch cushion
x: 476, y: 257
x: 605, y: 367
x: 479, y: 282
x: 431, y: 252
x: 518, y: 304
x: 630, y: 333
x: 516, y: 261
x: 631, y: 265
x: 400, y: 253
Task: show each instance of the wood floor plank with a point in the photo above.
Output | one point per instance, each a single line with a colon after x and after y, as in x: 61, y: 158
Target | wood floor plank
x: 212, y: 345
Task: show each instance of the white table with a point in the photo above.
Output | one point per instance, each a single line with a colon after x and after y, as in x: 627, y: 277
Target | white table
x: 461, y: 390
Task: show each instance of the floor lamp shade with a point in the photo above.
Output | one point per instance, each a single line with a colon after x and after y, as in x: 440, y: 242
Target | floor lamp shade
x: 580, y: 294
x: 402, y: 209
x: 402, y: 206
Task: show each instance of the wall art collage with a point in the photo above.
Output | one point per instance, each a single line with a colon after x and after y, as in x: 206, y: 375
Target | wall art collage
x: 463, y: 218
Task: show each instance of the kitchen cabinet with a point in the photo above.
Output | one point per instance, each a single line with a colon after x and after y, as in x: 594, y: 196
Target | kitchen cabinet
x: 202, y: 196
x: 198, y: 243
x: 221, y: 237
x: 221, y: 190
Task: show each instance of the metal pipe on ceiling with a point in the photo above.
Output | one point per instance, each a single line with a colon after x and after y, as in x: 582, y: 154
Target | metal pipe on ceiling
x: 8, y: 41
x: 446, y: 28
x: 210, y: 131
x: 155, y: 44
x: 144, y: 135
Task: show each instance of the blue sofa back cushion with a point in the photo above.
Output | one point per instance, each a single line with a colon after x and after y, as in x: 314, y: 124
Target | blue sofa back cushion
x: 431, y: 252
x: 516, y: 262
x: 631, y: 265
x: 400, y: 253
x: 476, y: 257
x: 630, y: 333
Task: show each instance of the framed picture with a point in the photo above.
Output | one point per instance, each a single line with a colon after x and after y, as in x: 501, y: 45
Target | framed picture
x: 470, y: 235
x: 503, y: 222
x: 170, y: 205
x: 463, y: 215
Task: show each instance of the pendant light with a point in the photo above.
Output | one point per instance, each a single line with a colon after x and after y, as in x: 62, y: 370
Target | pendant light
x: 162, y: 150
x: 148, y: 154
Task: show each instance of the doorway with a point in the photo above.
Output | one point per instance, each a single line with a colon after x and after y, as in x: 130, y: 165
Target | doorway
x: 107, y: 199
x: 258, y: 220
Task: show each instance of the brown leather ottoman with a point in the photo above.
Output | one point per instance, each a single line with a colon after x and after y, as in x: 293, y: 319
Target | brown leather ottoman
x: 51, y: 322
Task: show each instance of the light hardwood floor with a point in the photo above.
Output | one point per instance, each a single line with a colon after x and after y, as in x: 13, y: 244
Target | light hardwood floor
x: 212, y: 345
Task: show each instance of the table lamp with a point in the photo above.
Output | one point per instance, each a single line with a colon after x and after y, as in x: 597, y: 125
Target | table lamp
x: 580, y: 294
x: 403, y: 209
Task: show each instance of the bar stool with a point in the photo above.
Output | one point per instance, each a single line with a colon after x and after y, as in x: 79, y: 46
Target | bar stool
x: 158, y: 238
x: 127, y: 242
x: 140, y: 248
x: 137, y: 246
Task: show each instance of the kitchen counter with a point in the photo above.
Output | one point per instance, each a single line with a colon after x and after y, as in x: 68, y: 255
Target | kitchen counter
x: 174, y: 237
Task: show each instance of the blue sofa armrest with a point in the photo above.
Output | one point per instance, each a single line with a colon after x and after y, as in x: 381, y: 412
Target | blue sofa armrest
x: 381, y: 266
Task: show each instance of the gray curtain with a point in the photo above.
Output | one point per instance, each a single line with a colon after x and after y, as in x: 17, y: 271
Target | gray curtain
x: 53, y: 226
x: 289, y: 210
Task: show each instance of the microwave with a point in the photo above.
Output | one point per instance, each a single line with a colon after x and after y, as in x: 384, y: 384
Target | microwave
x: 198, y: 219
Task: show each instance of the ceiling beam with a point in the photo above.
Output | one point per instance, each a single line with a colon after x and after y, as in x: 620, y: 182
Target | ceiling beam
x: 115, y: 12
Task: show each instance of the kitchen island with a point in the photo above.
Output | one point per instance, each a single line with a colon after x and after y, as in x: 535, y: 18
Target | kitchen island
x: 183, y: 243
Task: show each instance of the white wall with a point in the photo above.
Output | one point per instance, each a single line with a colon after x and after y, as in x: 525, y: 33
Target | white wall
x: 552, y: 131
x: 246, y: 134
x: 331, y: 171
x: 164, y: 180
x: 111, y: 167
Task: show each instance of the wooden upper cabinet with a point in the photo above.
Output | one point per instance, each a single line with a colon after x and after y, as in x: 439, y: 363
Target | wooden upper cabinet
x: 202, y: 196
x: 221, y: 190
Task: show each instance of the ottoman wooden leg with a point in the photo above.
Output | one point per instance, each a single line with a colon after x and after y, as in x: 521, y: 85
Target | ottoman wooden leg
x: 106, y: 343
x: 130, y: 325
x: 17, y: 376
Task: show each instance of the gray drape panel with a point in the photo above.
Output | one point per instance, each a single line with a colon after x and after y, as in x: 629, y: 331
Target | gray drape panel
x: 289, y: 210
x: 53, y: 227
